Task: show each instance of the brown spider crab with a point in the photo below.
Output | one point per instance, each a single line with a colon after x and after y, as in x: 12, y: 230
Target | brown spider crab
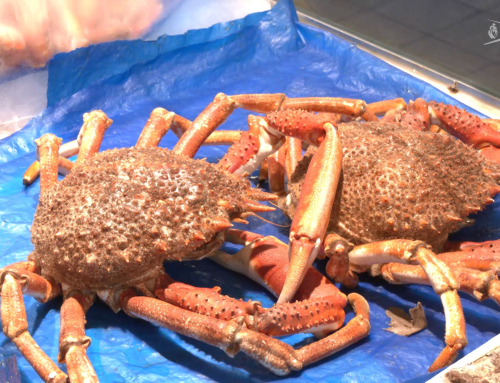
x: 404, y: 188
x: 106, y: 229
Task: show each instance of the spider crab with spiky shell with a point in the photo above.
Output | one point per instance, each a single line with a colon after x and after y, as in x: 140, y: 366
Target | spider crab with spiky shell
x: 106, y: 228
x: 406, y: 184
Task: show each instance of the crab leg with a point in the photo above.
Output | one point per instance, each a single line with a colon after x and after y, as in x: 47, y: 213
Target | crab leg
x: 265, y: 261
x: 224, y: 137
x: 48, y: 155
x: 233, y: 336
x: 318, y: 192
x: 214, y: 115
x: 95, y: 124
x: 73, y: 342
x: 313, y: 210
x: 32, y: 284
x: 316, y: 315
x: 382, y: 107
x: 157, y: 126
x: 66, y: 150
x: 481, y: 285
x: 467, y: 127
x: 348, y: 107
x: 229, y: 336
x: 222, y: 106
x: 440, y: 276
x: 64, y: 167
x: 355, y: 330
x: 479, y: 260
x: 293, y: 156
x: 276, y: 170
x: 15, y: 326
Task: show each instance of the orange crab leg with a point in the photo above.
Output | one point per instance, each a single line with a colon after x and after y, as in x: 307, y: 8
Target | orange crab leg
x: 95, y: 124
x: 48, y: 156
x: 231, y: 337
x: 157, y: 126
x: 467, y: 127
x: 254, y: 146
x: 313, y: 210
x: 368, y: 115
x: 293, y: 156
x: 348, y: 107
x: 474, y: 260
x: 276, y: 170
x: 355, y: 330
x: 318, y: 192
x: 382, y: 107
x: 260, y: 103
x: 312, y: 315
x: 65, y: 151
x: 265, y: 261
x: 214, y: 114
x: 222, y: 106
x: 492, y: 153
x: 64, y: 167
x: 181, y: 125
x: 73, y: 342
x: 440, y: 277
x: 479, y: 284
x: 15, y: 327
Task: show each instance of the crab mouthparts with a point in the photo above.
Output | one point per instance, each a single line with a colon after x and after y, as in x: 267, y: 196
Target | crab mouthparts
x: 207, y: 249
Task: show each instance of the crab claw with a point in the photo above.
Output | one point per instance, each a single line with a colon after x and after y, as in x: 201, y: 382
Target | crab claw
x: 313, y: 210
x: 463, y: 125
x: 318, y: 191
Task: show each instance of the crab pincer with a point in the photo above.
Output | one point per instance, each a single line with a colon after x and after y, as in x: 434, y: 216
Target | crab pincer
x: 318, y: 193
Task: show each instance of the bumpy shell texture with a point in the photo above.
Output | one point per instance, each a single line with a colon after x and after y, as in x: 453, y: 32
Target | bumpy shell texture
x: 116, y: 217
x: 401, y: 183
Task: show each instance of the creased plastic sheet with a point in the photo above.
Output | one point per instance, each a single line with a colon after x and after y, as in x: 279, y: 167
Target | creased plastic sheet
x: 263, y: 53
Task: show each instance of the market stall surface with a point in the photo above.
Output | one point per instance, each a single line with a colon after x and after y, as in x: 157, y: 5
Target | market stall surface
x: 264, y: 53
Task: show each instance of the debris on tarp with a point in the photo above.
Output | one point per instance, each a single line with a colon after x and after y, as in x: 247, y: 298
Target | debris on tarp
x: 404, y: 324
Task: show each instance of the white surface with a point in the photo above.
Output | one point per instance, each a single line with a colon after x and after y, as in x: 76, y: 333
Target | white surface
x: 196, y: 14
x: 468, y: 359
x: 24, y: 97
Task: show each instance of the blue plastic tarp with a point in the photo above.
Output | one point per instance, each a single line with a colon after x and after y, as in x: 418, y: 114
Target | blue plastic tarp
x: 264, y: 53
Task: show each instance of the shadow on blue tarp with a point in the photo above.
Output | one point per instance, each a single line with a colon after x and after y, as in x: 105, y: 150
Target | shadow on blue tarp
x: 263, y: 53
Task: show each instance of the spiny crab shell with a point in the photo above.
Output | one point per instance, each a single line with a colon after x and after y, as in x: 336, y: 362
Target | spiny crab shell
x: 114, y: 219
x: 402, y: 183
